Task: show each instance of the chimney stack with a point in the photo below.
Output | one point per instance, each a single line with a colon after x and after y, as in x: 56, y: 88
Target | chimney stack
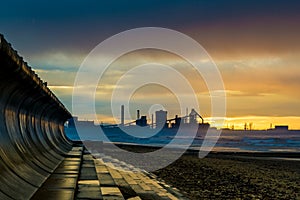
x: 122, y: 115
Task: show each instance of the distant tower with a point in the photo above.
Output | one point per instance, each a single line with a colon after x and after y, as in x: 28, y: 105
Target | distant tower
x: 186, y: 116
x: 177, y: 121
x: 160, y: 118
x: 152, y: 120
x: 122, y: 115
x: 250, y: 126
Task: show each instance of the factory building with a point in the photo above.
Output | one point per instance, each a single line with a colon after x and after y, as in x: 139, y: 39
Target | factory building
x: 161, y: 118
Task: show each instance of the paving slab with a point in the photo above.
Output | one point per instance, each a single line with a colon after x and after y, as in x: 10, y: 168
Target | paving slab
x: 106, y: 179
x: 81, y: 176
x: 111, y: 193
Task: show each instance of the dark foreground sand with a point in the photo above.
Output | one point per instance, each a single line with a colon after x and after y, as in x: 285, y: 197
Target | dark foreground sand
x: 232, y: 175
x: 229, y: 175
x: 222, y: 177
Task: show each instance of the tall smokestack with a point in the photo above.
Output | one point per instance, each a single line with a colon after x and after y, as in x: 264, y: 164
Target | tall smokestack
x: 186, y: 114
x: 122, y: 115
x: 138, y: 114
x: 152, y: 120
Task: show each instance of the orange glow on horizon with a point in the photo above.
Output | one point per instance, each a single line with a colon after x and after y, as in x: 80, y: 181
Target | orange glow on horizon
x: 258, y: 122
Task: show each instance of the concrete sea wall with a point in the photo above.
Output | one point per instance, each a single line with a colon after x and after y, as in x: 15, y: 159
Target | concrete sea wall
x: 32, y: 140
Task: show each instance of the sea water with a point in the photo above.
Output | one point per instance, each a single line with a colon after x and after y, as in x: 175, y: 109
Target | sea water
x: 230, y: 141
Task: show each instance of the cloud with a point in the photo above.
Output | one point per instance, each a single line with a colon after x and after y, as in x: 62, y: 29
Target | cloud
x: 260, y: 86
x: 56, y: 61
x: 255, y: 44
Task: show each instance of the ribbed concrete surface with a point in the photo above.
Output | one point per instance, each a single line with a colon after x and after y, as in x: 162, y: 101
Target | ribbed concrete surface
x: 32, y: 139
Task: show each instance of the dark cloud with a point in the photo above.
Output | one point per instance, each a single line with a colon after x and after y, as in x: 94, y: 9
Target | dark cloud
x: 34, y: 26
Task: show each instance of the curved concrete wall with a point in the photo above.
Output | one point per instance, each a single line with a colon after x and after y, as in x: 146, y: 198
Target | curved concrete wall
x: 32, y: 140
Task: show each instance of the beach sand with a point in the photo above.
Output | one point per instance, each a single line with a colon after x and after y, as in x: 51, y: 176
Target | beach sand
x: 228, y: 175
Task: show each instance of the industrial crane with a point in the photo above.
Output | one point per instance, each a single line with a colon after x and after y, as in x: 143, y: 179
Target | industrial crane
x: 193, y: 116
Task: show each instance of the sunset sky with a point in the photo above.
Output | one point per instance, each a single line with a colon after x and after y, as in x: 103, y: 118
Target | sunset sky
x: 255, y: 45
